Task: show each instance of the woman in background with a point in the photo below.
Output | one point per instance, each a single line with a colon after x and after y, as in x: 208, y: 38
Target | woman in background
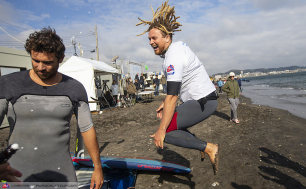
x: 231, y: 87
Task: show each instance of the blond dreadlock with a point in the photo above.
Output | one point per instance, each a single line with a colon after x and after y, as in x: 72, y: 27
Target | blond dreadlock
x: 164, y: 19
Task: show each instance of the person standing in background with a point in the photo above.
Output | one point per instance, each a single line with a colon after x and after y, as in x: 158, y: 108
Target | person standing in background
x: 125, y: 83
x: 136, y: 77
x: 137, y: 85
x: 164, y: 84
x: 132, y: 91
x: 231, y: 87
x: 220, y: 84
x: 156, y: 85
x: 114, y: 89
x: 141, y: 81
x: 239, y: 83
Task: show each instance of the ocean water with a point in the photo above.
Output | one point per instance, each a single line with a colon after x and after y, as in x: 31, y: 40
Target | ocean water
x: 283, y: 91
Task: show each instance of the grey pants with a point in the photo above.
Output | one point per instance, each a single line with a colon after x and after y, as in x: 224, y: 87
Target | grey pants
x: 234, y: 104
x: 187, y: 115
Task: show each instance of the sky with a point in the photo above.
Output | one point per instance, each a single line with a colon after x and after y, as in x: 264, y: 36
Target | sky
x: 224, y: 34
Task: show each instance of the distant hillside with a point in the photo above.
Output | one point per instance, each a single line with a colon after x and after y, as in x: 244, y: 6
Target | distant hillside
x: 264, y: 70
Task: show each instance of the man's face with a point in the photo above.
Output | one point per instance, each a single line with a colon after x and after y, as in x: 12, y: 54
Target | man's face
x: 157, y: 41
x: 45, y: 65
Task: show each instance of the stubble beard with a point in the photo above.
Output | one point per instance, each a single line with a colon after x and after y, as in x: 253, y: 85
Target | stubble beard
x: 49, y: 74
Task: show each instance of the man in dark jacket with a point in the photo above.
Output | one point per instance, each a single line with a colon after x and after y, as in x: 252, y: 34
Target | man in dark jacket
x: 137, y: 85
x: 137, y: 77
x: 156, y: 85
x: 141, y: 82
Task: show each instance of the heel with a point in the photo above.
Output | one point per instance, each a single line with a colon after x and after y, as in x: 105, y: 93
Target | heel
x: 202, y: 156
x: 215, y: 164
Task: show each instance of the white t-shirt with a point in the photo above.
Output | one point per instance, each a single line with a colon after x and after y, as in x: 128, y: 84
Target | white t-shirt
x: 182, y: 65
x: 114, y: 89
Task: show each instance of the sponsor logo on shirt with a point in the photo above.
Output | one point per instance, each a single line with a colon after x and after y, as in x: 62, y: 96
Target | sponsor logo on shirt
x: 5, y: 185
x: 170, y: 70
x: 65, y: 105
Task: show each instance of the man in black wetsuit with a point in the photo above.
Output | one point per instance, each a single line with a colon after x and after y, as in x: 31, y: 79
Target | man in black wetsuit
x: 39, y: 104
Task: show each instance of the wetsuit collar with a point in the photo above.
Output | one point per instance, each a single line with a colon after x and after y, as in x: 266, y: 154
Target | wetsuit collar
x: 163, y: 54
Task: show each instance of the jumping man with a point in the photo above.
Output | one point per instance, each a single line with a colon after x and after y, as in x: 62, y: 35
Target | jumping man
x: 186, y: 76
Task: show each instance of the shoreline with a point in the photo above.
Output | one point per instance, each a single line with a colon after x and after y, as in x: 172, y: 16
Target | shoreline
x: 266, y: 150
x: 295, y: 106
x: 274, y: 74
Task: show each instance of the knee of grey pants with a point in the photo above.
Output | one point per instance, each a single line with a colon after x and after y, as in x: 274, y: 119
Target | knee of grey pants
x: 189, y: 114
x: 234, y: 104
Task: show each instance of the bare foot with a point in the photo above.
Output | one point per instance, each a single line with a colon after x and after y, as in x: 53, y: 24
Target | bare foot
x: 213, y: 152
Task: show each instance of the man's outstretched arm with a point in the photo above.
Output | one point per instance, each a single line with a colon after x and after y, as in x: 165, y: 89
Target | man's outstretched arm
x: 92, y: 146
x: 165, y: 113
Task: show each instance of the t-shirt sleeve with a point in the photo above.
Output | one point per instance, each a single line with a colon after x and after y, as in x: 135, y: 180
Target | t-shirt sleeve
x: 83, y: 115
x: 174, y: 67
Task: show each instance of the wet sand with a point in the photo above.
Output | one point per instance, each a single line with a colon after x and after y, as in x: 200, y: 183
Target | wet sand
x: 266, y: 150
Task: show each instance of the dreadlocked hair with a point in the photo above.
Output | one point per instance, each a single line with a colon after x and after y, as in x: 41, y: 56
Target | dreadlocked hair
x: 164, y: 19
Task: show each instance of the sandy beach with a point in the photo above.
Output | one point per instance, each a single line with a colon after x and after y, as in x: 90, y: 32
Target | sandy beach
x: 266, y: 150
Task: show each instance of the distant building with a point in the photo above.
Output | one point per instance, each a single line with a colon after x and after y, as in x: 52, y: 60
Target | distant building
x: 217, y: 77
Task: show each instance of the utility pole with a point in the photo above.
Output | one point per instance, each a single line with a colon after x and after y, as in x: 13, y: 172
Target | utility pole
x: 74, y: 43
x: 81, y: 51
x: 97, y: 47
x: 122, y: 66
x: 155, y: 69
x: 142, y: 67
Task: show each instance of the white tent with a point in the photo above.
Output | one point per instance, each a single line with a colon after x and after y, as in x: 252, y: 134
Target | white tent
x: 84, y: 70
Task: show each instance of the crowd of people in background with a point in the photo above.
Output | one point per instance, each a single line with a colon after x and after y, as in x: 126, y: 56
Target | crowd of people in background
x: 131, y: 88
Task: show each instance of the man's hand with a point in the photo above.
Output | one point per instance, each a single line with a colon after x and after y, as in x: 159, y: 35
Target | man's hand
x: 97, y: 178
x: 159, y: 111
x: 8, y: 173
x: 159, y: 137
x: 92, y: 146
x: 165, y: 112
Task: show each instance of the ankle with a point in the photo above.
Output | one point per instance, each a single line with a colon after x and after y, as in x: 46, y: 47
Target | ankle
x: 211, y: 148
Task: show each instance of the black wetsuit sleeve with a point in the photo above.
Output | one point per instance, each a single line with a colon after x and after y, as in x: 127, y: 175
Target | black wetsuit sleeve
x: 173, y: 87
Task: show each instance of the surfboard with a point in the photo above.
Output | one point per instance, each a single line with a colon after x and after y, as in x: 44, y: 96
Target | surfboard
x: 114, y: 162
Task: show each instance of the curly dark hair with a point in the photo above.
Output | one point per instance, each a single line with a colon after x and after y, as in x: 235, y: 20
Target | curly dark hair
x: 46, y: 40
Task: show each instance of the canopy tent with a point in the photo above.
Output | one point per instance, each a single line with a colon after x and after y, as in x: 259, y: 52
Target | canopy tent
x: 84, y: 70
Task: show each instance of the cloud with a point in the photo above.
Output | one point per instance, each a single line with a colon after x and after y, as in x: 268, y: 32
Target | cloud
x: 224, y: 34
x: 43, y: 16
